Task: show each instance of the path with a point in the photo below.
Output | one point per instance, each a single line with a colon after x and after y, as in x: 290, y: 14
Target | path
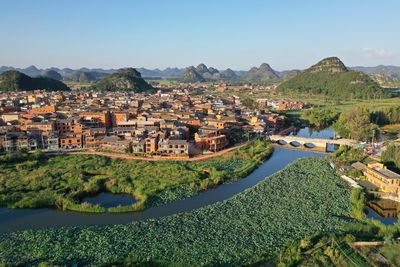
x: 130, y: 157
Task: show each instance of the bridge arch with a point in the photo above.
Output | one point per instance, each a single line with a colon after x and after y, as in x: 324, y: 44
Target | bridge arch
x: 295, y: 143
x: 281, y: 142
x: 309, y: 145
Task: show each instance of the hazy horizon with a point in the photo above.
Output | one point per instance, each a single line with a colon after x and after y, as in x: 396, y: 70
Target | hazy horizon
x: 235, y: 34
x: 149, y: 68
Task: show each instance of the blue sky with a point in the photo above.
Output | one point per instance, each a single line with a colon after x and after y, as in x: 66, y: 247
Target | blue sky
x: 221, y: 33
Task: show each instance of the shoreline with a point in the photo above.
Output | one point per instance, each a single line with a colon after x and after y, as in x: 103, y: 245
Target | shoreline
x: 56, y: 218
x: 145, y: 201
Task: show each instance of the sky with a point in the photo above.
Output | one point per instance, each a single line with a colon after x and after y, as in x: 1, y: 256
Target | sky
x: 287, y: 34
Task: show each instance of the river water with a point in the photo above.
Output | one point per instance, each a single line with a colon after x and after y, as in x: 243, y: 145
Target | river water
x: 19, y: 219
x: 314, y: 133
x: 384, y: 210
x: 108, y: 200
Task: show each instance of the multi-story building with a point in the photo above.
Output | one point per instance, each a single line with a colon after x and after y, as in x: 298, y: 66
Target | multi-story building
x: 96, y: 119
x: 70, y: 140
x: 178, y: 148
x: 383, y: 178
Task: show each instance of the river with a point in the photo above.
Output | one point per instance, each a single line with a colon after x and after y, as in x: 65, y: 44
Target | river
x: 21, y: 219
x: 384, y: 210
x: 314, y: 133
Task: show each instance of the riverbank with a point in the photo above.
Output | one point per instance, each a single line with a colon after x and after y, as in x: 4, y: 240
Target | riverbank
x: 36, y: 180
x: 24, y: 219
x: 259, y: 221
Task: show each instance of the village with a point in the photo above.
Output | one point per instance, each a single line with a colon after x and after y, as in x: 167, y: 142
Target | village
x: 173, y: 123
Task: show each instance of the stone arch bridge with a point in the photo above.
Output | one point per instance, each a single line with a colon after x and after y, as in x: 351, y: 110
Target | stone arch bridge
x: 310, y: 143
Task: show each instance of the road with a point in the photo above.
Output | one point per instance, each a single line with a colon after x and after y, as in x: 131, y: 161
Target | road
x: 130, y: 157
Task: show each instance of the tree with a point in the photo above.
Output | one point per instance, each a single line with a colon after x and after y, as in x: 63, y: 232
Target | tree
x: 356, y: 124
x: 391, y: 156
x: 321, y: 118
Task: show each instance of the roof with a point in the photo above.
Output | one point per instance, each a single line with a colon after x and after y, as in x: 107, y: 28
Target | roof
x: 359, y: 166
x: 176, y: 142
x: 387, y: 173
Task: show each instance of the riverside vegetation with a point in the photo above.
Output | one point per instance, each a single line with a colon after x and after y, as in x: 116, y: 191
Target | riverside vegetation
x: 359, y: 123
x: 333, y: 249
x: 37, y: 180
x: 248, y: 228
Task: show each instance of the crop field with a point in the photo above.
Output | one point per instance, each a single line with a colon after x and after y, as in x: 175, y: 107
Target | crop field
x: 304, y: 199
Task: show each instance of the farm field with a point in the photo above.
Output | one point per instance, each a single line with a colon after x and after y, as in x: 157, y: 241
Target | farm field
x: 248, y: 228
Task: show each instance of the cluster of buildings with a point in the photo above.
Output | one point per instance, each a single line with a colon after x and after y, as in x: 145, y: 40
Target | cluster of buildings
x: 382, y: 178
x: 280, y: 104
x: 171, y: 123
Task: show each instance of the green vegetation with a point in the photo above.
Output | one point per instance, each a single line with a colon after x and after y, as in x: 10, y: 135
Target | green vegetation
x: 391, y: 129
x: 334, y: 250
x: 392, y: 253
x: 263, y: 74
x: 128, y: 79
x: 391, y: 156
x: 248, y: 228
x: 348, y: 155
x: 330, y: 250
x: 36, y: 180
x: 358, y: 202
x: 191, y: 75
x: 16, y: 81
x: 387, y: 115
x: 83, y: 207
x: 52, y: 74
x: 331, y: 78
x: 321, y: 118
x: 356, y: 124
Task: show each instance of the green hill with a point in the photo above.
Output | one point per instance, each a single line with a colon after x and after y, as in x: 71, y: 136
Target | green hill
x: 128, y: 79
x: 16, y: 81
x: 52, y: 74
x: 330, y: 77
x: 262, y: 74
x: 82, y: 77
x: 191, y: 75
x: 229, y: 75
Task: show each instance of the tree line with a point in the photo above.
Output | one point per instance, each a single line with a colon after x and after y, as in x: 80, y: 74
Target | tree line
x: 358, y: 123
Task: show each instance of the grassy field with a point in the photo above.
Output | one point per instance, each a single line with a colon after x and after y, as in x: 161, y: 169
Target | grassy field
x: 37, y: 180
x: 392, y: 129
x: 248, y: 228
x: 317, y: 100
x: 77, y: 84
x: 392, y: 253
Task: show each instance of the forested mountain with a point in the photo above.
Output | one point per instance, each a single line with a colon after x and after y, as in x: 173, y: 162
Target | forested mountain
x: 84, y: 76
x: 52, y: 74
x: 208, y: 73
x: 203, y: 73
x: 330, y: 77
x: 388, y: 71
x: 387, y: 76
x: 229, y: 75
x: 260, y: 75
x: 128, y: 79
x: 191, y: 75
x: 16, y: 81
